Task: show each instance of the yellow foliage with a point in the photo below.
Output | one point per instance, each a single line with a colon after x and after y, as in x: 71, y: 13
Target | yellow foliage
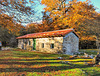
x: 71, y: 15
x: 7, y: 23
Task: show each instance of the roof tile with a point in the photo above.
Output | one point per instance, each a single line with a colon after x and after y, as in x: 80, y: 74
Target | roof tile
x: 56, y: 33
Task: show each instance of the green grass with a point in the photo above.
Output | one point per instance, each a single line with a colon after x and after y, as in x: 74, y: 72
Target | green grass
x: 90, y: 51
x: 31, y: 63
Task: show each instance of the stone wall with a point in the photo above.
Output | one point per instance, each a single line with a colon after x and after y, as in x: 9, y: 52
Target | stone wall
x: 57, y: 41
x: 70, y: 43
x: 26, y: 44
x: 20, y: 43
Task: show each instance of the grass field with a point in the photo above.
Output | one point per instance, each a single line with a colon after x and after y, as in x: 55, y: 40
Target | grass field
x: 90, y: 51
x: 18, y: 62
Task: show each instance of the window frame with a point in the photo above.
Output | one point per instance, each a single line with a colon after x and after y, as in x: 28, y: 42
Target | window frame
x: 29, y: 42
x: 52, y: 46
x: 42, y: 45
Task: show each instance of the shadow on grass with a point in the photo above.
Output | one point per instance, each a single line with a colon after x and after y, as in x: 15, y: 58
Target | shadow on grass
x: 36, y: 53
x: 17, y: 61
x: 27, y: 63
x: 41, y: 55
x: 97, y: 74
x: 24, y: 59
x: 42, y: 69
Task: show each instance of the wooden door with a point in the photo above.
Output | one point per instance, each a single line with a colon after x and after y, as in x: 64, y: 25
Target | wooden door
x: 34, y: 44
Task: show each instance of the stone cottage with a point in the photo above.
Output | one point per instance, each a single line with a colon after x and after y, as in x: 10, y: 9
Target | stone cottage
x: 60, y: 41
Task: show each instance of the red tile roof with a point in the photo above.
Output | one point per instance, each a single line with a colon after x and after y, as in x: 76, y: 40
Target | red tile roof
x: 56, y: 33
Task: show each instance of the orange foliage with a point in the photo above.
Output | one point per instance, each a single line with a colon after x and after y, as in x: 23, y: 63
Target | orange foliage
x: 7, y: 23
x: 34, y: 27
x: 88, y: 38
x: 71, y: 15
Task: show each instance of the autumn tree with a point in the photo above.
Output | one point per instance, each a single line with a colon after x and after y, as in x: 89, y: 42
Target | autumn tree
x: 4, y: 35
x: 7, y: 38
x: 45, y: 25
x: 94, y: 29
x: 31, y: 28
x: 9, y: 29
x: 35, y: 28
x: 9, y: 24
x: 21, y: 10
x: 13, y: 13
x: 72, y: 14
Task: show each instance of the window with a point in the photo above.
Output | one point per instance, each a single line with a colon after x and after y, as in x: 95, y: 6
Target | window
x: 52, y: 38
x: 23, y: 40
x: 19, y: 41
x: 29, y: 42
x: 52, y: 46
x: 42, y: 45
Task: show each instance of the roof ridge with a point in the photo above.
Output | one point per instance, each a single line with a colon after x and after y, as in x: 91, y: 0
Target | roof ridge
x: 54, y: 33
x: 51, y: 31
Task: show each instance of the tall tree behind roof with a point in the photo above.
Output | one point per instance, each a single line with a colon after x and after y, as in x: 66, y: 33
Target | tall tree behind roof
x: 72, y: 14
x: 9, y: 24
